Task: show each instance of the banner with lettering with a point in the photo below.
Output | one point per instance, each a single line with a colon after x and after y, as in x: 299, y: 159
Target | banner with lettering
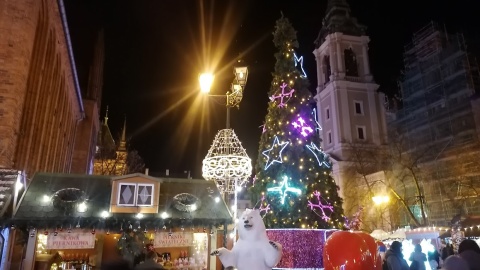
x: 71, y: 241
x: 177, y: 239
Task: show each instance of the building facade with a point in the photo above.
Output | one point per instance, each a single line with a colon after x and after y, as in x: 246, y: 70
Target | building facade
x: 439, y: 123
x: 350, y: 109
x: 43, y: 114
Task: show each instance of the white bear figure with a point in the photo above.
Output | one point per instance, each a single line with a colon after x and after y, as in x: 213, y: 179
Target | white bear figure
x: 253, y: 250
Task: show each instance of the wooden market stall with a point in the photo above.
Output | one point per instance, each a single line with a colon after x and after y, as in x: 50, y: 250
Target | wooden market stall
x: 84, y: 220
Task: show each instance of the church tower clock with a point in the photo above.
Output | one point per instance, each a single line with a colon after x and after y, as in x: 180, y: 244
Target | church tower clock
x: 349, y: 107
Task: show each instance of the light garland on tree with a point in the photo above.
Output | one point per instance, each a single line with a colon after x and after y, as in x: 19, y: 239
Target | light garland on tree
x: 300, y: 124
x: 267, y: 153
x: 282, y: 95
x: 320, y: 206
x: 284, y: 188
x: 317, y: 153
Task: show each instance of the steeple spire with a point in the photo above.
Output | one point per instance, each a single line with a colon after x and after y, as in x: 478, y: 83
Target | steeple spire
x: 123, y: 141
x: 332, y: 5
x: 339, y: 20
x: 106, y: 117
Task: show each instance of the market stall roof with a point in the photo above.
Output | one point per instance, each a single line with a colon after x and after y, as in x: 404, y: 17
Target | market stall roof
x: 469, y: 224
x: 398, y: 234
x: 39, y: 209
x: 380, y: 234
x: 8, y: 178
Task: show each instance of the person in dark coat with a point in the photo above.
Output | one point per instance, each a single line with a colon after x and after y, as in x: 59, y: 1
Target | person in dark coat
x: 394, y: 257
x: 150, y: 262
x: 470, y: 252
x: 446, y: 251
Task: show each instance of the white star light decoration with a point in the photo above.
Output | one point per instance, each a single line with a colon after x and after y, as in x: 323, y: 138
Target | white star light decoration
x: 300, y: 124
x: 284, y: 188
x: 318, y: 128
x: 267, y: 153
x: 283, y: 95
x: 317, y: 152
x: 299, y: 61
x: 320, y: 206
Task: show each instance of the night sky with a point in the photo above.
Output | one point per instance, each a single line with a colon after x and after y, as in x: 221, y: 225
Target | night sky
x: 155, y: 49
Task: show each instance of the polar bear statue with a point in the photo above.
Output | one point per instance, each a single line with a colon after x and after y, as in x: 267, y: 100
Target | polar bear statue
x: 253, y: 250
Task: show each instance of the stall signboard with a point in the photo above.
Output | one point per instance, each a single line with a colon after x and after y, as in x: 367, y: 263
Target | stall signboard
x: 182, y: 239
x: 71, y: 241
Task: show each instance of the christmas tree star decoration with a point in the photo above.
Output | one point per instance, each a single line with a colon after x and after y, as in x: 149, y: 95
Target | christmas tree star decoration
x: 319, y: 155
x: 356, y: 221
x: 283, y: 95
x: 284, y: 188
x: 318, y: 128
x: 261, y: 208
x: 300, y: 124
x: 320, y: 205
x: 299, y: 62
x: 267, y: 153
x: 264, y: 128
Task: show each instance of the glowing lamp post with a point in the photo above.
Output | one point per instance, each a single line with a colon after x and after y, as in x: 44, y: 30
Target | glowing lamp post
x: 378, y: 200
x: 227, y: 162
x: 232, y: 97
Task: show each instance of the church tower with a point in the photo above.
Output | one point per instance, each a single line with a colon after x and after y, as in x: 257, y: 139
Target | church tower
x: 110, y: 158
x: 349, y: 107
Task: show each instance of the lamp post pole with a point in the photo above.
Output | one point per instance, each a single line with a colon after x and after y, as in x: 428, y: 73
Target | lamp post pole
x: 228, y: 113
x: 233, y: 99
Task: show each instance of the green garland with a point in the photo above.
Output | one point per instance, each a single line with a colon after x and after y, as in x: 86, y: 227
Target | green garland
x: 131, y: 243
x: 186, y: 202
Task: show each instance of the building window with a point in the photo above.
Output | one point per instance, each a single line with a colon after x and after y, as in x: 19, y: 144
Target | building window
x: 327, y: 70
x: 327, y: 113
x: 130, y: 194
x: 361, y: 133
x: 126, y: 194
x: 351, y: 65
x: 144, y: 195
x: 329, y: 136
x: 358, y: 107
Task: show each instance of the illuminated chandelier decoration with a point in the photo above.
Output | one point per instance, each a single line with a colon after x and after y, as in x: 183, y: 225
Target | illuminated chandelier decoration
x: 227, y: 162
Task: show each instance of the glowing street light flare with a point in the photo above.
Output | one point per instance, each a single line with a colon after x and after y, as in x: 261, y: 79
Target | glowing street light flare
x: 206, y: 81
x: 380, y: 199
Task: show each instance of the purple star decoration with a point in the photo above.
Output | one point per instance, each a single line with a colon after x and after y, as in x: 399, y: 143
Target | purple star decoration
x: 264, y: 128
x: 304, y: 128
x: 282, y: 95
x: 261, y: 208
x: 320, y: 206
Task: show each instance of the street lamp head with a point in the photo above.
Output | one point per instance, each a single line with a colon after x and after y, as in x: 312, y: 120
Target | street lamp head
x: 241, y: 75
x: 206, y: 81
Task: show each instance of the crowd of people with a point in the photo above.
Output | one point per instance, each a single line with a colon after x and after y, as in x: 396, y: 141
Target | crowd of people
x: 467, y: 258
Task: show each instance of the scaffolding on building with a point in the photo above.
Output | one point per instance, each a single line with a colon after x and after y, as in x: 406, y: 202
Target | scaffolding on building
x: 437, y: 117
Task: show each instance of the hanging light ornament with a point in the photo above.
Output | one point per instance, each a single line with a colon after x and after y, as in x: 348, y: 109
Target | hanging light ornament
x: 227, y: 162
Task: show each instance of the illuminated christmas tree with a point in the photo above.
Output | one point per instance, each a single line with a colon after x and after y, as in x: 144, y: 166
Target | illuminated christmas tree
x: 293, y: 181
